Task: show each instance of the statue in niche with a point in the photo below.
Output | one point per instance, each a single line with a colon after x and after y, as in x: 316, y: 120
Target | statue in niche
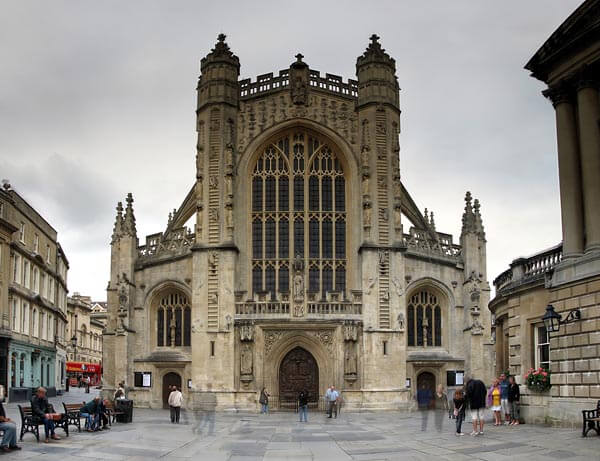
x: 401, y: 321
x: 350, y: 359
x: 229, y: 158
x: 298, y: 310
x: 298, y: 287
x: 246, y: 360
x: 228, y: 186
x: 365, y: 184
x: 397, y: 217
x: 367, y: 213
x: 364, y: 156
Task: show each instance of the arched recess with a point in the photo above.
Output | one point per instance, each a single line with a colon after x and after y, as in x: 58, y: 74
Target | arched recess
x: 298, y: 372
x: 300, y: 185
x: 324, y: 359
x: 437, y: 306
x: 169, y: 378
x: 166, y: 300
x: 426, y: 384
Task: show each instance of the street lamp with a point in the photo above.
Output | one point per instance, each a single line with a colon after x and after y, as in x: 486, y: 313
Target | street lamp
x: 74, y: 346
x: 553, y: 320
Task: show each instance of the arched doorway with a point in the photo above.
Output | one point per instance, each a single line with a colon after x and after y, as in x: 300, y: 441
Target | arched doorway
x: 170, y: 379
x: 298, y: 371
x: 425, y: 387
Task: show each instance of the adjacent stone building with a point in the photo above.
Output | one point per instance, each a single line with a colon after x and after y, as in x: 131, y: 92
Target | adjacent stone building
x: 84, y: 331
x: 567, y: 276
x: 33, y: 297
x: 307, y: 262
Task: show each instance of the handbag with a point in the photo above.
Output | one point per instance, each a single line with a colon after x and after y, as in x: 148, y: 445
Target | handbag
x: 457, y: 410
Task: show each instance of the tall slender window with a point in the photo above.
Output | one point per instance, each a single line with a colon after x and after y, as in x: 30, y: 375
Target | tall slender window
x: 298, y: 211
x: 424, y: 328
x: 173, y: 320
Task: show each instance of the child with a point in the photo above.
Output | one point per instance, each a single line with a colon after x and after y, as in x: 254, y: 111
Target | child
x: 459, y: 410
x: 514, y: 395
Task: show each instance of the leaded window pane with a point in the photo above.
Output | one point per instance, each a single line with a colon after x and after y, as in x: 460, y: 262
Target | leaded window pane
x: 313, y: 280
x: 256, y: 279
x: 419, y: 325
x: 340, y: 239
x: 313, y: 238
x: 178, y: 326
x: 270, y: 279
x: 270, y: 193
x: 327, y: 280
x: 284, y: 239
x: 326, y: 194
x: 160, y: 327
x: 429, y: 315
x: 187, y: 325
x: 340, y: 279
x: 257, y: 239
x: 270, y: 239
x: 299, y: 193
x: 340, y: 194
x: 257, y: 194
x: 284, y: 280
x: 327, y: 239
x: 284, y: 194
x: 410, y: 322
x: 299, y: 237
x: 313, y: 193
x: 438, y: 326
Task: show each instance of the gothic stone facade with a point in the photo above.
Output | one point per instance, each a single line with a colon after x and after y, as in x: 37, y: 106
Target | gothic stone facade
x: 297, y: 273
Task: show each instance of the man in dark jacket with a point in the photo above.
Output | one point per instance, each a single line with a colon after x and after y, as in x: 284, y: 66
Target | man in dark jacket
x: 303, y: 406
x: 91, y: 411
x: 476, y: 394
x: 42, y: 411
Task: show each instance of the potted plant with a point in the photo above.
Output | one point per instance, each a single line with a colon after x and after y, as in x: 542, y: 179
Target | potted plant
x: 538, y: 380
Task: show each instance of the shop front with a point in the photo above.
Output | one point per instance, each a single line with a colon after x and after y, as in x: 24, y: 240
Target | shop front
x: 79, y: 372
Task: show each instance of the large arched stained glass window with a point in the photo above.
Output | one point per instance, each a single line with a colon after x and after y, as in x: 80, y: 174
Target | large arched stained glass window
x: 173, y: 318
x: 424, y: 320
x: 298, y: 210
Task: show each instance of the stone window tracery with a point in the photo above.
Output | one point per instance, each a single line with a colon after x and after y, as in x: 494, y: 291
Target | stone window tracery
x: 298, y: 211
x: 173, y: 320
x: 424, y: 320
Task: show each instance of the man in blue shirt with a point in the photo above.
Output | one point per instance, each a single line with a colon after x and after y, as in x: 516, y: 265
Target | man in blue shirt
x: 331, y: 397
x: 504, y: 385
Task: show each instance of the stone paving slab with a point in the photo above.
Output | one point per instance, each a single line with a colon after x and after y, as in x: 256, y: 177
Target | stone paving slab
x: 279, y: 436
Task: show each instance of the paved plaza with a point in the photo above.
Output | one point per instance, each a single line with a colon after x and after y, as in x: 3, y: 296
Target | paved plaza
x: 278, y: 436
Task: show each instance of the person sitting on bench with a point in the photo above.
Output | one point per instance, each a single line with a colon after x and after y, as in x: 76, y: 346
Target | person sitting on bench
x: 103, y: 414
x: 91, y: 411
x: 9, y: 441
x: 42, y: 412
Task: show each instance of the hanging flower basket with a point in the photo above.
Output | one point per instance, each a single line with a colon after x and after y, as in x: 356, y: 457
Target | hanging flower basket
x: 538, y: 380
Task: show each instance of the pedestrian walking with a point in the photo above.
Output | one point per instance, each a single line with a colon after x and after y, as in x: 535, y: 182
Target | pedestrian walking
x: 504, y: 403
x: 475, y: 396
x: 459, y: 410
x: 331, y: 397
x: 175, y: 401
x: 514, y: 397
x: 264, y: 401
x: 440, y: 400
x: 303, y: 406
x: 424, y: 399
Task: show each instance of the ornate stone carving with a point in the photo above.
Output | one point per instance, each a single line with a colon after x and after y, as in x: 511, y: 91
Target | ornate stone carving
x: 246, y: 360
x: 400, y: 319
x: 370, y: 285
x: 350, y: 331
x: 367, y: 215
x: 384, y: 258
x: 271, y: 337
x: 299, y: 310
x: 212, y: 260
x: 246, y: 332
x: 384, y: 214
x: 213, y: 181
x: 213, y: 214
x: 325, y: 337
x: 398, y: 286
x: 350, y: 361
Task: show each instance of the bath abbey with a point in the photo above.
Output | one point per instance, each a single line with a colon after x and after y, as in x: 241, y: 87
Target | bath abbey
x: 298, y: 259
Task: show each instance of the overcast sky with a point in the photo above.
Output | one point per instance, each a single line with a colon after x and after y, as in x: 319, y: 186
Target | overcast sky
x: 97, y: 99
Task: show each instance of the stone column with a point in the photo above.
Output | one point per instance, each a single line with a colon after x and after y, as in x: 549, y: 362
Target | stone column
x: 589, y: 136
x: 569, y: 172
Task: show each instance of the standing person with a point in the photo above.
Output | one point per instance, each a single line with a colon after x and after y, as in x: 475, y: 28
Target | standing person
x: 42, y: 412
x: 264, y: 401
x: 331, y: 397
x: 424, y: 399
x: 9, y: 440
x: 459, y: 410
x: 440, y: 400
x: 175, y: 401
x: 303, y: 406
x: 504, y: 384
x: 475, y: 395
x: 514, y: 397
x: 494, y: 399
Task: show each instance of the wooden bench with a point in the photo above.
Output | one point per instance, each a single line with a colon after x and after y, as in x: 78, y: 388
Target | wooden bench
x: 591, y: 420
x: 30, y: 424
x: 112, y: 413
x: 73, y: 414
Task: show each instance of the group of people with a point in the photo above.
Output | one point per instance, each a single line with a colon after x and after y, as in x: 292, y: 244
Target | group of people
x: 333, y: 401
x: 503, y: 397
x: 96, y: 413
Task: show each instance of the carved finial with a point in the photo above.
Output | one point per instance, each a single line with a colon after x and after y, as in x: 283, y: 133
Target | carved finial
x: 129, y: 219
x: 299, y: 57
x: 478, y: 221
x: 221, y: 37
x: 375, y: 53
x: 431, y: 221
x: 426, y: 216
x: 118, y: 228
x: 468, y: 218
x: 374, y: 38
x: 6, y: 184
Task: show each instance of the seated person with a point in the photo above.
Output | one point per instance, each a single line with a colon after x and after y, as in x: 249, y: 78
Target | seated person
x: 91, y: 411
x: 103, y: 414
x: 42, y: 411
x: 9, y: 441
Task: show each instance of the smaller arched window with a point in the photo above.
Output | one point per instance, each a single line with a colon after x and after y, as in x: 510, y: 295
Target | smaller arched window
x: 173, y: 320
x: 424, y: 320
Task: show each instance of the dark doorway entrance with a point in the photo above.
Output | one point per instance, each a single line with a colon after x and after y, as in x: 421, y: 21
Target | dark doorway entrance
x: 170, y: 379
x: 298, y: 371
x: 425, y: 388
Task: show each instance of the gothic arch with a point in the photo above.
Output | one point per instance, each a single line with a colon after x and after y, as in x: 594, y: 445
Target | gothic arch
x: 183, y: 302
x: 325, y: 359
x: 163, y: 285
x: 441, y: 316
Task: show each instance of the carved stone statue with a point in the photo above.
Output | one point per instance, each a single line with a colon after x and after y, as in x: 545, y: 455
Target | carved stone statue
x: 299, y: 310
x: 247, y: 332
x: 401, y: 321
x: 213, y: 182
x: 246, y: 359
x: 367, y: 213
x: 350, y: 367
x: 365, y: 184
x: 298, y: 287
